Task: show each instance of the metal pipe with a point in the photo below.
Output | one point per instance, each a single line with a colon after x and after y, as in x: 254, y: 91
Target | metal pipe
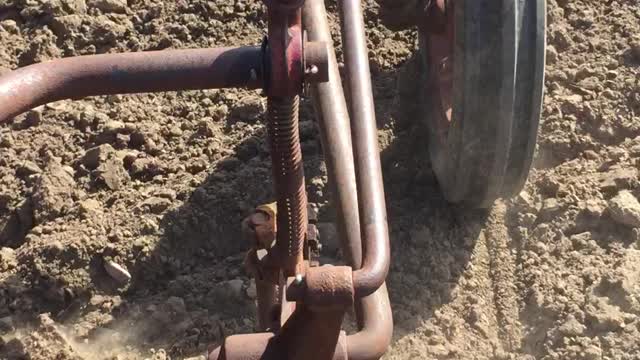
x: 313, y: 335
x: 373, y: 213
x: 370, y: 343
x: 267, y: 304
x: 373, y: 340
x: 152, y: 71
x: 306, y: 335
x: 335, y: 130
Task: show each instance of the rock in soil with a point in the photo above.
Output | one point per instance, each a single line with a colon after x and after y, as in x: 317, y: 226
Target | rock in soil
x: 118, y: 272
x: 625, y: 209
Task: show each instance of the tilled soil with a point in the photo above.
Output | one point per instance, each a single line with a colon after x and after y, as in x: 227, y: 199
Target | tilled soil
x: 157, y: 185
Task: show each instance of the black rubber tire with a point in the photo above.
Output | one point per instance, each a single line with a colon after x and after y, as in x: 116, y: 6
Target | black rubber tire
x: 499, y: 55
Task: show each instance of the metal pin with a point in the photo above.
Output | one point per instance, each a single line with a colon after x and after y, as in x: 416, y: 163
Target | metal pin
x: 299, y: 279
x: 312, y: 70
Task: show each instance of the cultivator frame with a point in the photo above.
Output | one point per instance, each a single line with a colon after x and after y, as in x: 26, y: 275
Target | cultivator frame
x: 301, y: 305
x: 482, y: 82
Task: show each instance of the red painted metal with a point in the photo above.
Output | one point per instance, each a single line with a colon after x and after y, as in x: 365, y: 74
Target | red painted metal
x: 439, y: 29
x: 285, y: 51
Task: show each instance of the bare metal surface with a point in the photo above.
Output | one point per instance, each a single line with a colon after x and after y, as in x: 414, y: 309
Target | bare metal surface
x: 324, y: 288
x: 374, y: 338
x: 288, y: 174
x: 152, y: 71
x: 373, y: 213
x: 335, y: 129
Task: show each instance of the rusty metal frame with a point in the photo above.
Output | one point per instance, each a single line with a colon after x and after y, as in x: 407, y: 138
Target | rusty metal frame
x: 152, y: 71
x: 311, y: 300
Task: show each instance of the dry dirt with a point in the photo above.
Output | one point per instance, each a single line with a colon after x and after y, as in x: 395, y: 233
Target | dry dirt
x: 158, y: 184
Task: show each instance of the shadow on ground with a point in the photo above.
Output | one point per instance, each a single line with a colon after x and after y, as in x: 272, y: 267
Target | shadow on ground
x: 191, y: 289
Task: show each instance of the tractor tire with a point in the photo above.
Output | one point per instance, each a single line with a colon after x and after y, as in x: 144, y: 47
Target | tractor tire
x: 482, y: 79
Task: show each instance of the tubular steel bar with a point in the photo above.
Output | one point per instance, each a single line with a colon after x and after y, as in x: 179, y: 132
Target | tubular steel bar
x: 331, y: 108
x: 374, y: 337
x: 152, y: 71
x: 373, y: 213
x: 370, y: 343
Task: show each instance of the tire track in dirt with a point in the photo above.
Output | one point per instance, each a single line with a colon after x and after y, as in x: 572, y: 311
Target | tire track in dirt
x: 502, y: 272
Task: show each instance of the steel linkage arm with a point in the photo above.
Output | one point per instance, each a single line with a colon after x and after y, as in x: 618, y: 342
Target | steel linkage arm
x: 373, y: 213
x: 153, y: 71
x: 370, y: 194
x: 371, y: 201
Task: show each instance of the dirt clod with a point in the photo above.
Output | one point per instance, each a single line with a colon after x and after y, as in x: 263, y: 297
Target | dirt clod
x: 625, y: 209
x: 53, y: 193
x: 107, y: 6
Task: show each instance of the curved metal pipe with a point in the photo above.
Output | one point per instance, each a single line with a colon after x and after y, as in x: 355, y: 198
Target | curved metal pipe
x: 335, y: 129
x: 373, y: 213
x: 152, y: 71
x: 373, y: 340
x: 307, y: 328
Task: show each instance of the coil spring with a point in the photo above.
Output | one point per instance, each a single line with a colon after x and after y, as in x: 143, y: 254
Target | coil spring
x: 289, y: 184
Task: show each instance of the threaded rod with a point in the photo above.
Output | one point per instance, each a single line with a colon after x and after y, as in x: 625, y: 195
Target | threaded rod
x: 288, y: 174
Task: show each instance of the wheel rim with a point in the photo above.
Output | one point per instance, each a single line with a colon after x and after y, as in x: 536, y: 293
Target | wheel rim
x: 485, y: 64
x: 440, y: 44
